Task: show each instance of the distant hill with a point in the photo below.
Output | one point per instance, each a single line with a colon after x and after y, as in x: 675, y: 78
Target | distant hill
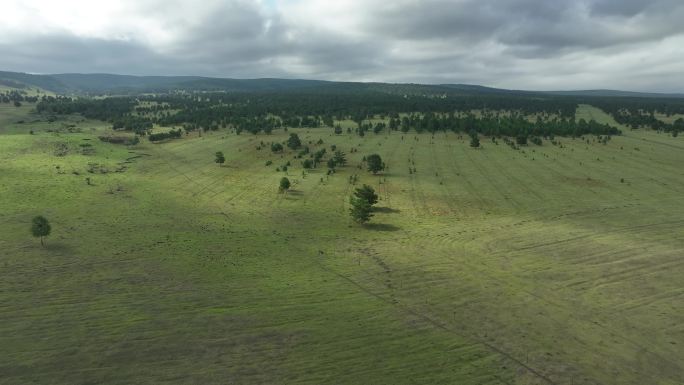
x: 127, y: 84
x: 579, y: 93
x: 22, y: 80
x: 614, y: 93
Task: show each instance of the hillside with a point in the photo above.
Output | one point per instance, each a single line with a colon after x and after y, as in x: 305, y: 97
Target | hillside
x: 126, y: 84
x: 556, y: 263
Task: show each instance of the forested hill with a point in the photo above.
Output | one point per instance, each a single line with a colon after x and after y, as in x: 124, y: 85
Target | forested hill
x: 127, y: 84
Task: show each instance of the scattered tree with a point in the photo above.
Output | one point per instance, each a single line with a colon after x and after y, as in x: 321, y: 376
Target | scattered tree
x: 294, y: 142
x: 367, y: 193
x: 474, y: 141
x: 340, y: 158
x: 220, y: 159
x: 276, y: 147
x: 360, y: 210
x: 40, y: 228
x: 375, y: 163
x: 284, y: 184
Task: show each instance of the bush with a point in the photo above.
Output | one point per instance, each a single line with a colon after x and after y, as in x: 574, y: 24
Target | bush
x: 173, y: 134
x: 276, y: 147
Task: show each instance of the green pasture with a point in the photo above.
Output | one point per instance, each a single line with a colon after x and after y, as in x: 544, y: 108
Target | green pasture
x: 548, y: 265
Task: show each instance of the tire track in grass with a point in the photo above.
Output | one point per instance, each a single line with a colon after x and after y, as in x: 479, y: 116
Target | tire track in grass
x: 214, y: 179
x: 440, y: 325
x: 416, y: 195
x: 505, y: 192
x: 570, y: 198
x: 392, y: 155
x: 472, y: 190
x: 171, y: 158
x: 484, y: 271
x: 645, y: 165
x: 412, y: 311
x: 591, y: 321
x: 592, y: 234
x: 449, y: 194
x: 657, y: 142
x: 248, y: 188
x: 494, y: 186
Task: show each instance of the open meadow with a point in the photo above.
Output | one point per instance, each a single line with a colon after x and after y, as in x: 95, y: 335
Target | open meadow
x: 551, y: 264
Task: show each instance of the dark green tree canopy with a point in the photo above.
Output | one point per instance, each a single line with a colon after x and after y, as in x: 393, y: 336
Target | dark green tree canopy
x: 474, y: 140
x: 40, y: 228
x: 220, y: 159
x: 284, y: 184
x: 366, y: 193
x: 294, y: 142
x: 375, y: 163
x: 360, y: 210
x: 340, y: 158
x: 276, y: 147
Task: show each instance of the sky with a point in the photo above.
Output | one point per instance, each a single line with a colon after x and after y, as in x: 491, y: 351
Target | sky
x: 517, y: 44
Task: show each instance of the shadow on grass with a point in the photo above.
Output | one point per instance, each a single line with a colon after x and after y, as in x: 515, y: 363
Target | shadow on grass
x: 386, y: 210
x: 381, y: 227
x: 57, y: 247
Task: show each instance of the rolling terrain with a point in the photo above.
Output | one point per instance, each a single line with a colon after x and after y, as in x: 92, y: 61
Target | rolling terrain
x: 113, y: 84
x: 552, y: 264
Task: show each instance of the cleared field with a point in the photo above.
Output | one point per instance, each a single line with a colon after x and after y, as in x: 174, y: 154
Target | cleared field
x: 544, y: 266
x: 668, y: 119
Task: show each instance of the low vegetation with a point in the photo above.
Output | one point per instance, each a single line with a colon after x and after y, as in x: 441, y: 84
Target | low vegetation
x: 396, y: 253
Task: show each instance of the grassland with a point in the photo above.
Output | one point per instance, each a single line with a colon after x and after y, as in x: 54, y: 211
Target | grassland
x: 550, y: 265
x: 668, y: 119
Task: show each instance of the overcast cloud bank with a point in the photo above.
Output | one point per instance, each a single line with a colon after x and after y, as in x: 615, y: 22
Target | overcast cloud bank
x: 522, y: 44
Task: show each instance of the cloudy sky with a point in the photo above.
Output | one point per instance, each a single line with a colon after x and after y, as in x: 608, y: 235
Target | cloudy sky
x: 524, y: 44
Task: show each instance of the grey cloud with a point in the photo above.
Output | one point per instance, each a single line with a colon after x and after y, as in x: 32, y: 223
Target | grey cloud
x: 514, y: 43
x: 67, y: 53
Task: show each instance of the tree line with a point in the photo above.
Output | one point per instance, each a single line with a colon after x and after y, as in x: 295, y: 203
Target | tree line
x: 264, y: 112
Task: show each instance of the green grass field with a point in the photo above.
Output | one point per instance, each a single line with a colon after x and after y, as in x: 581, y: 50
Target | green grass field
x: 487, y: 266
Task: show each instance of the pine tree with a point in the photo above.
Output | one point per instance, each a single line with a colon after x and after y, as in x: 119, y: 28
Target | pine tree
x: 367, y: 193
x: 360, y: 210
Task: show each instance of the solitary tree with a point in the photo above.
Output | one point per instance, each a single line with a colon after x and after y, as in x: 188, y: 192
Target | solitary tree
x: 360, y: 210
x: 375, y: 163
x: 366, y: 193
x: 340, y: 158
x: 474, y: 141
x: 40, y: 228
x: 284, y: 184
x: 293, y: 142
x: 220, y: 159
